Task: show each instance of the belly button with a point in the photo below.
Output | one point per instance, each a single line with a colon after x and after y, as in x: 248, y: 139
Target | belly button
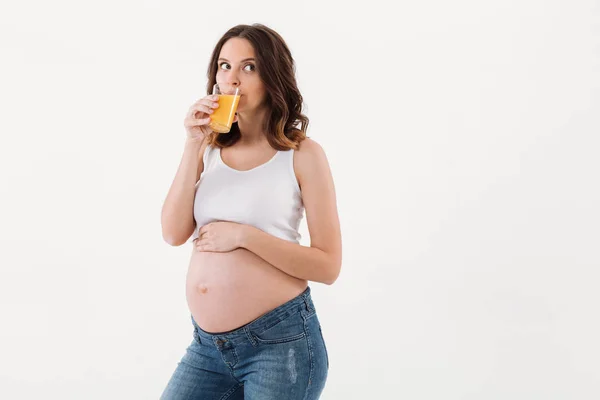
x: 202, y: 288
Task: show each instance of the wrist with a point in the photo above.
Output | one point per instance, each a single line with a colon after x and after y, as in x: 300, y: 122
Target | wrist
x: 244, y: 235
x: 194, y: 143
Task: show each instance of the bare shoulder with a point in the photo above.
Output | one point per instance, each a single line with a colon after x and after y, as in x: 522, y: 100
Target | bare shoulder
x: 310, y: 158
x: 309, y: 146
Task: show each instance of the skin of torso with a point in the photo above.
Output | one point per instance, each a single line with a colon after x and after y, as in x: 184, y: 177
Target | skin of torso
x: 227, y: 290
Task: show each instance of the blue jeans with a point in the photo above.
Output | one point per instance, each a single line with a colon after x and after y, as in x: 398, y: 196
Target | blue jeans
x: 279, y: 356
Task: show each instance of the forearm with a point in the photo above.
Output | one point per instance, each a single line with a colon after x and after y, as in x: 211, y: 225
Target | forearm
x: 294, y: 259
x: 177, y: 218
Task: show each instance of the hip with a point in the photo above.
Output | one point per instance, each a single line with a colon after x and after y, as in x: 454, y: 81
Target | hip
x: 280, y: 355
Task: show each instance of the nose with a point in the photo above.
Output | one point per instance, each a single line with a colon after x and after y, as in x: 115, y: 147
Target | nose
x: 233, y: 80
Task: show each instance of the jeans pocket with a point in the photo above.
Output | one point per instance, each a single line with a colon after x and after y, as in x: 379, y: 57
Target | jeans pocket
x: 288, y: 329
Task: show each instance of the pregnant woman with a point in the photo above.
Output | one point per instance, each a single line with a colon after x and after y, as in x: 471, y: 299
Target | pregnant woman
x: 239, y: 197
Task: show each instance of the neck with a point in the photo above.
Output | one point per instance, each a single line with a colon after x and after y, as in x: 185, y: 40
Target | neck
x: 251, y: 126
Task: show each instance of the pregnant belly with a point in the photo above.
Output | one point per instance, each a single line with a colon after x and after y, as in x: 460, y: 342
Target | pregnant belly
x: 227, y: 290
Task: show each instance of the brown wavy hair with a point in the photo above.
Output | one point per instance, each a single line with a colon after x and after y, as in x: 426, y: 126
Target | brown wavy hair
x: 285, y: 124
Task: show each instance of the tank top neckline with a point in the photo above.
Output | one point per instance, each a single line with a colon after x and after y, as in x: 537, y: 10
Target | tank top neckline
x: 220, y: 159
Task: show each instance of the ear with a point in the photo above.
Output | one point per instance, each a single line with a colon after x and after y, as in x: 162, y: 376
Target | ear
x: 235, y: 118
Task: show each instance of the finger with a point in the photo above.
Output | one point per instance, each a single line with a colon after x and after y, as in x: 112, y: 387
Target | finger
x: 202, y: 236
x: 204, y: 228
x: 207, y: 102
x: 203, y: 247
x: 210, y: 103
x: 210, y: 97
x: 196, y: 122
x: 198, y: 112
x: 204, y: 108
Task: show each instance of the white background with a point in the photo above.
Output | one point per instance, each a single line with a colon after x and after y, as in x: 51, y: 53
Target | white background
x: 463, y: 139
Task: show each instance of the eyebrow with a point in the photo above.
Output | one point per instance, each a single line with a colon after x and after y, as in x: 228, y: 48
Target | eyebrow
x: 245, y: 59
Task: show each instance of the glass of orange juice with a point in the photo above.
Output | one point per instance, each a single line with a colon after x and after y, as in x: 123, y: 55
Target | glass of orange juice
x: 222, y: 117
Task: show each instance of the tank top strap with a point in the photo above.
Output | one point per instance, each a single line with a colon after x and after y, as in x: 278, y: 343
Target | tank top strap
x: 286, y: 159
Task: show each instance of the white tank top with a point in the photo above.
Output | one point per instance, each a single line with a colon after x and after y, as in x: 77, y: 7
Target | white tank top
x: 267, y: 197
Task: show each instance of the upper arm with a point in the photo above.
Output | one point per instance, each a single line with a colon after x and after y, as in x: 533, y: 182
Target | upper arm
x: 198, y: 174
x: 201, y: 163
x: 319, y: 198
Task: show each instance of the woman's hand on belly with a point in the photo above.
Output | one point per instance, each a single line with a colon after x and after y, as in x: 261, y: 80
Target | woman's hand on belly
x: 221, y: 236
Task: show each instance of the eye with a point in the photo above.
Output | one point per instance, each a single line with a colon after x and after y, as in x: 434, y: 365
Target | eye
x: 252, y: 67
x: 221, y: 65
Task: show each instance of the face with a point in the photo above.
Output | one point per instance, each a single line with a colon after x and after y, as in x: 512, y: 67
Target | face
x: 237, y: 67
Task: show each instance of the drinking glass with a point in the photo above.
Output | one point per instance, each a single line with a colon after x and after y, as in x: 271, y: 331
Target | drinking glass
x: 222, y: 117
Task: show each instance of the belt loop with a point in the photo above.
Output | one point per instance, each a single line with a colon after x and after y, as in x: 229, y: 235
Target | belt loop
x: 308, y: 306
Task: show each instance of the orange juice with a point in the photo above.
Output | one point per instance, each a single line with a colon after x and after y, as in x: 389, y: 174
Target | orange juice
x: 222, y: 117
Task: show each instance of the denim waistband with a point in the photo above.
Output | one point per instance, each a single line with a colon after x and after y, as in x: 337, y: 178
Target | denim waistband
x: 301, y: 302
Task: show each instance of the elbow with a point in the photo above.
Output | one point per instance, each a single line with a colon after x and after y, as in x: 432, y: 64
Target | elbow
x: 172, y: 240
x: 334, y: 272
x: 175, y: 235
x: 169, y: 240
x: 168, y: 236
x: 331, y: 280
x: 175, y: 229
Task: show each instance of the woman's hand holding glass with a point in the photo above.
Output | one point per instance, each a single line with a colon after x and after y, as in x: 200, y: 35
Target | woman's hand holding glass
x: 197, y: 120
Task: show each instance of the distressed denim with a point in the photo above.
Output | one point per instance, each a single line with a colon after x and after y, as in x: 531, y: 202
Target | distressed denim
x: 279, y: 356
